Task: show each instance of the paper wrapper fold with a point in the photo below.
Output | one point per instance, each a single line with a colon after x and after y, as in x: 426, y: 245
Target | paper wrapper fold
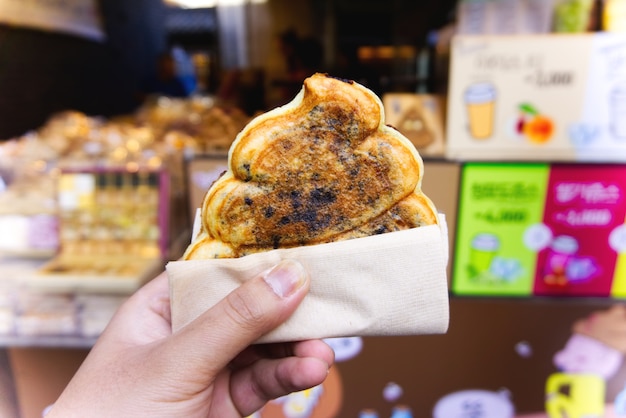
x: 389, y: 284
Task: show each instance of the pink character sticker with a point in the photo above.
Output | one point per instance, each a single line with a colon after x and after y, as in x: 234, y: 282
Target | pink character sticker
x: 583, y: 354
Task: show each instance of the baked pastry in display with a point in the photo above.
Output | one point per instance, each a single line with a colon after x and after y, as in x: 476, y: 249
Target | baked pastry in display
x: 322, y: 168
x: 219, y: 127
x: 67, y: 131
x: 206, y: 125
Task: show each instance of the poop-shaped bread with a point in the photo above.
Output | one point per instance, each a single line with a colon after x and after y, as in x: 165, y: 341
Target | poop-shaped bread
x: 322, y: 168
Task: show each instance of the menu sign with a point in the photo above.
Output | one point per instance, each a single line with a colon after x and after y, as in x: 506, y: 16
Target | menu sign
x: 539, y: 229
x: 584, y: 206
x: 542, y: 97
x: 498, y: 204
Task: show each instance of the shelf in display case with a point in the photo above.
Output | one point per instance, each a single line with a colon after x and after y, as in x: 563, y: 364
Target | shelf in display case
x: 47, y: 341
x: 54, y: 313
x: 120, y: 274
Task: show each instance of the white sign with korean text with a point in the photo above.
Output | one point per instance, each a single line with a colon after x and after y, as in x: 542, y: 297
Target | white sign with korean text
x: 538, y: 98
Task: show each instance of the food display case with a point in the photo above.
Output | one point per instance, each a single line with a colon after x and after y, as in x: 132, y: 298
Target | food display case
x: 112, y: 237
x: 113, y: 231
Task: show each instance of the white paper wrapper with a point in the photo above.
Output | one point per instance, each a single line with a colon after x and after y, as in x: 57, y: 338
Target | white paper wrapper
x: 389, y: 284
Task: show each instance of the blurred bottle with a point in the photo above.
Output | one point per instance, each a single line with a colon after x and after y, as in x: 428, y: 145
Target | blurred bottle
x: 425, y: 65
x: 614, y: 16
x: 573, y: 16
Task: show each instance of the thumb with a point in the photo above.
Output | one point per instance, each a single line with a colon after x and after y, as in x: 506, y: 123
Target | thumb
x: 252, y: 310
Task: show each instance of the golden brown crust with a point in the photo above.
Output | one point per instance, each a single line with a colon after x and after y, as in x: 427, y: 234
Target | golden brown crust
x: 322, y: 168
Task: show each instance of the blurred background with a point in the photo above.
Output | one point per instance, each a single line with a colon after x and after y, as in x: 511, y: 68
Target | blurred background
x: 116, y: 116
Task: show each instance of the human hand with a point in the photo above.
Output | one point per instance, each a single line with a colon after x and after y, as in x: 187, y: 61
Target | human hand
x: 208, y: 368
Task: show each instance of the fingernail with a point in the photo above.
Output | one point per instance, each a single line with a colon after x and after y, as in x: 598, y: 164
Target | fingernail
x: 286, y: 277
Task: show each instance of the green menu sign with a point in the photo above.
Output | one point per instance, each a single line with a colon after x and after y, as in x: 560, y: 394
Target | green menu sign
x: 499, y: 208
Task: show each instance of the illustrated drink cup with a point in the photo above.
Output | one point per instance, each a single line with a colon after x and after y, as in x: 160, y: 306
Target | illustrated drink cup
x: 618, y: 111
x: 480, y: 102
x: 484, y: 248
x: 575, y: 395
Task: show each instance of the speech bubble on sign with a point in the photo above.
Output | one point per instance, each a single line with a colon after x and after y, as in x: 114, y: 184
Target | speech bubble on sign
x: 537, y: 237
x: 617, y: 239
x: 475, y: 403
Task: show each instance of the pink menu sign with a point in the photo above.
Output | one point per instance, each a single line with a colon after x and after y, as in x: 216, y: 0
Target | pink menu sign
x: 585, y: 204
